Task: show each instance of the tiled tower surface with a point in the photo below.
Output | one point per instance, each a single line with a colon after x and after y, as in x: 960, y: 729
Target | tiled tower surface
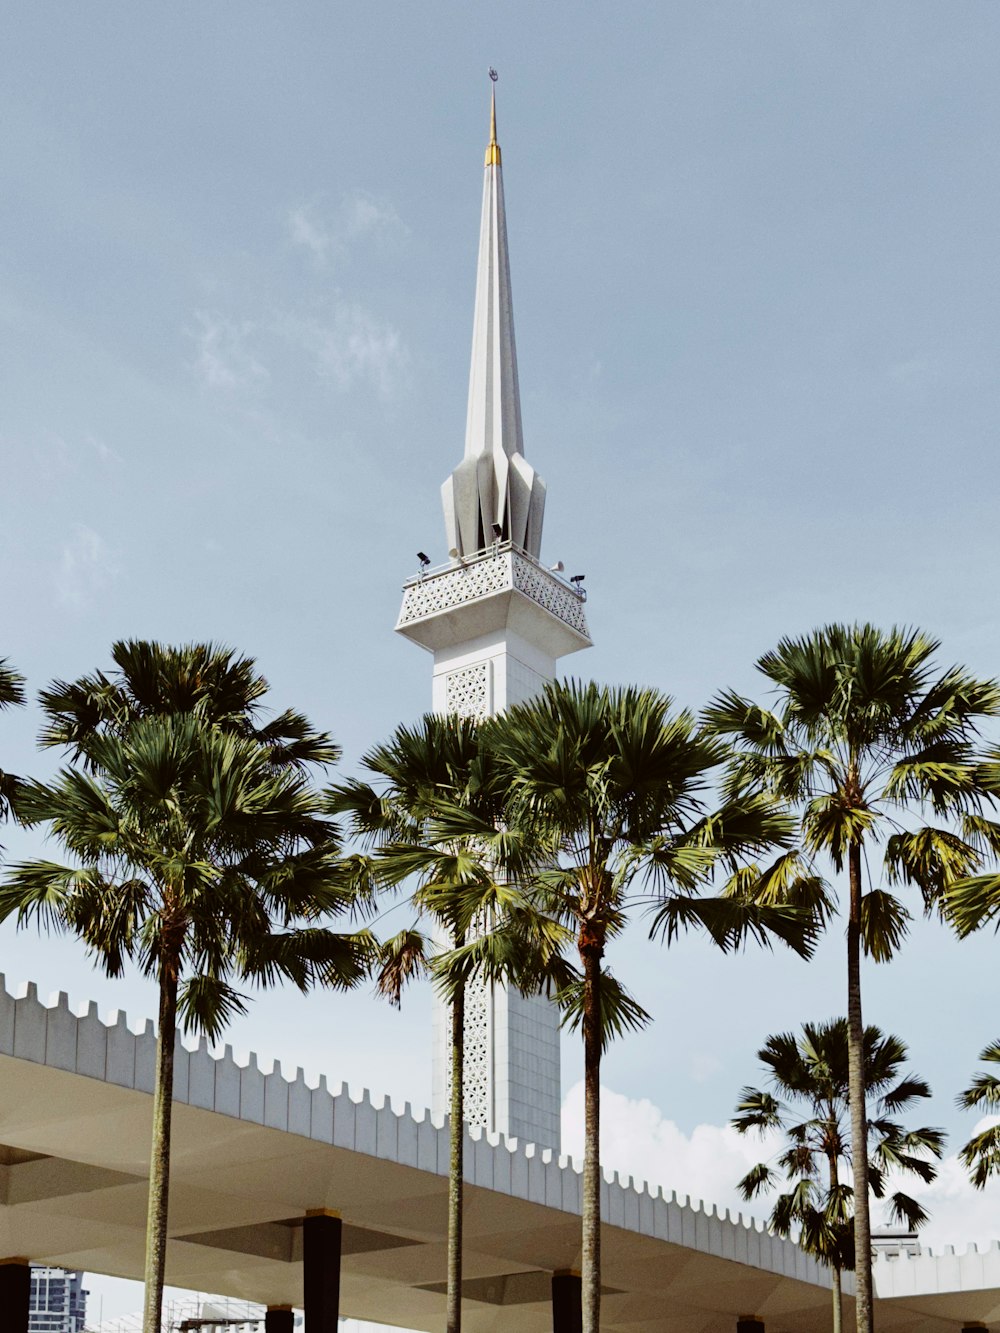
x: 496, y: 620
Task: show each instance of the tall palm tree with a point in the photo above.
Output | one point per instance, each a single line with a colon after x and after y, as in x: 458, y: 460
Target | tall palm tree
x: 875, y: 747
x: 809, y: 1107
x: 205, y: 857
x: 607, y: 786
x: 11, y: 692
x: 420, y: 776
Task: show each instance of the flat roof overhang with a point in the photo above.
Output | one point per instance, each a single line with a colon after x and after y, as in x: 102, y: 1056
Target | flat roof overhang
x: 252, y: 1153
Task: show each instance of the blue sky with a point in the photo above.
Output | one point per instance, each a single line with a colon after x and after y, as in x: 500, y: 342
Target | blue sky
x: 753, y: 250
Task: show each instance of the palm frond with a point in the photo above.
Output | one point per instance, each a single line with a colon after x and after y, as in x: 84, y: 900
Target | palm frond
x: 981, y: 1155
x: 208, y: 1004
x: 932, y: 859
x: 731, y: 922
x: 619, y: 1012
x: 11, y: 685
x: 884, y: 924
x: 400, y: 960
x: 971, y: 903
x: 756, y: 1181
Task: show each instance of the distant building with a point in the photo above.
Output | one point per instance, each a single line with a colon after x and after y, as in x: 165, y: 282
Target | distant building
x: 58, y: 1301
x: 893, y: 1243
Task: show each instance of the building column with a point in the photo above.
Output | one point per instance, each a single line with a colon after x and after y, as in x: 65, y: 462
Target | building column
x: 567, y: 1302
x: 279, y: 1319
x: 321, y: 1237
x: 749, y: 1323
x: 15, y: 1294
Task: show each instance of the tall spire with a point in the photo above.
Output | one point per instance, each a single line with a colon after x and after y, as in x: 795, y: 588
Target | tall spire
x: 493, y: 487
x: 493, y: 148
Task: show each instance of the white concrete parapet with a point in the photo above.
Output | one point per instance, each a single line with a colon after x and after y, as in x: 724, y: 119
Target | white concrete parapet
x: 928, y: 1273
x: 111, y: 1052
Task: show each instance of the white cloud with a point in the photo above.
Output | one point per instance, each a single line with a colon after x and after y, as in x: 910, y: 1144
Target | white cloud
x: 306, y: 230
x: 364, y: 215
x: 329, y: 234
x: 705, y: 1066
x: 85, y: 567
x: 352, y: 347
x: 638, y: 1140
x: 103, y: 450
x: 224, y: 359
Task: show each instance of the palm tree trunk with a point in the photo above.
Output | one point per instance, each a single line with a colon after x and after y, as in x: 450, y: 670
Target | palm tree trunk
x: 838, y: 1301
x: 856, y: 1094
x: 453, y: 1309
x: 838, y: 1295
x: 591, y: 1245
x: 159, y: 1159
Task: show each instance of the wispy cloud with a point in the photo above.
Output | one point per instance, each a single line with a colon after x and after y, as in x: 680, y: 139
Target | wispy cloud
x: 364, y: 215
x: 308, y: 231
x: 328, y: 234
x: 103, y: 450
x: 223, y: 356
x: 352, y: 347
x: 85, y: 567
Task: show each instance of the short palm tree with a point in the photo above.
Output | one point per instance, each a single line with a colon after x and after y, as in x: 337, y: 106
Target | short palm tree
x: 420, y: 776
x: 11, y: 692
x: 809, y: 1108
x: 205, y: 857
x: 982, y: 1152
x: 871, y: 744
x: 606, y: 788
x: 971, y: 904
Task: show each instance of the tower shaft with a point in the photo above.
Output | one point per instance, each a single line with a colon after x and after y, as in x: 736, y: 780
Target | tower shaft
x: 496, y: 621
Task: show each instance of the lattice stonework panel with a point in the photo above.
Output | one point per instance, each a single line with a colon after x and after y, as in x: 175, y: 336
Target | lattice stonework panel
x: 478, y: 1072
x: 440, y: 592
x: 477, y: 1081
x: 541, y: 587
x: 467, y: 691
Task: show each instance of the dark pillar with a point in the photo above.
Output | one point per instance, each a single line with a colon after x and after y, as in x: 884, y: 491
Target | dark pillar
x: 321, y: 1233
x: 15, y: 1294
x: 567, y: 1303
x: 279, y: 1319
x: 749, y: 1323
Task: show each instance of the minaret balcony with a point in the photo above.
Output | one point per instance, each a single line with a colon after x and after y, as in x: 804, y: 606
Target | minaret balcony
x: 500, y: 588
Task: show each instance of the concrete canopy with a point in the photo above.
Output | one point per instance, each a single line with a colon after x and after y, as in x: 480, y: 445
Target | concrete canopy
x: 254, y: 1153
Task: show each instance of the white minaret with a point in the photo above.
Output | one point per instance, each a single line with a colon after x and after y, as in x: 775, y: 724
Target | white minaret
x: 497, y: 621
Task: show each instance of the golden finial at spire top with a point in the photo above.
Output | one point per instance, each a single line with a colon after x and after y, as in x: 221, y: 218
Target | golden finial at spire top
x: 493, y: 151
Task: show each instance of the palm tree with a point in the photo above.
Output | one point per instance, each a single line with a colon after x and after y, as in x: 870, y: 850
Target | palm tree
x: 11, y: 692
x: 606, y: 787
x: 205, y: 857
x: 982, y: 1152
x: 422, y: 775
x: 153, y: 679
x: 810, y: 1109
x: 971, y: 904
x: 868, y: 740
